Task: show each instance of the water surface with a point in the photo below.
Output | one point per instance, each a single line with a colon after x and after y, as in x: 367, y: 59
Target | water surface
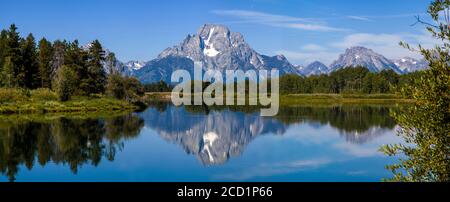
x: 168, y: 143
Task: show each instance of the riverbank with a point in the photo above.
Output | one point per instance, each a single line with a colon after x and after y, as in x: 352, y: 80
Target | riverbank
x: 354, y: 99
x: 321, y: 99
x: 15, y: 101
x: 74, y: 105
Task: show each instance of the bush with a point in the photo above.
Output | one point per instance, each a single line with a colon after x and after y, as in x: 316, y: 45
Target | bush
x: 127, y: 88
x: 44, y: 94
x: 134, y: 90
x: 115, y: 86
x: 12, y: 95
x: 65, y: 83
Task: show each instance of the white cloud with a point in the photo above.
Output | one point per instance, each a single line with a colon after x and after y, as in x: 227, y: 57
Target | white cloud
x: 313, y: 47
x: 246, y: 16
x: 353, y: 17
x: 278, y: 168
x: 365, y: 39
x: 258, y: 16
x: 387, y: 44
x: 307, y: 57
x: 308, y: 27
x: 383, y: 17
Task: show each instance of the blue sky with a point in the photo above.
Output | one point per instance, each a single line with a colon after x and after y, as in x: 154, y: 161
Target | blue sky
x: 302, y: 30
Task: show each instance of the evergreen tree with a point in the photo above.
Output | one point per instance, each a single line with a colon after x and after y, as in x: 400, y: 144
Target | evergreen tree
x: 97, y: 74
x: 45, y: 58
x: 3, y: 38
x: 30, y: 68
x: 74, y: 55
x: 76, y: 58
x: 367, y: 86
x: 13, y: 52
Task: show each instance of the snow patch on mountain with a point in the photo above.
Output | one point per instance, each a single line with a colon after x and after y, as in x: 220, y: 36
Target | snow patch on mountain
x: 408, y: 64
x: 134, y: 65
x: 209, y: 49
x: 315, y: 68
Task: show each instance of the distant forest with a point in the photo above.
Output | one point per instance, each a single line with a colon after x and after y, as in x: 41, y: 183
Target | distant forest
x: 346, y: 80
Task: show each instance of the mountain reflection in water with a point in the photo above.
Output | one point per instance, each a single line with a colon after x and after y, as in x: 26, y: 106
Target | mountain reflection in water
x: 214, y: 135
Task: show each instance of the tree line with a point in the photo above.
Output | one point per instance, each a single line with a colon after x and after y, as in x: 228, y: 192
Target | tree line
x: 345, y: 80
x: 63, y: 66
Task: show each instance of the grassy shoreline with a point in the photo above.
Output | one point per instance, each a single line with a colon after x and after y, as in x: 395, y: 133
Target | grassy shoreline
x: 354, y: 99
x: 324, y: 99
x: 43, y: 101
x: 110, y: 105
x: 74, y: 105
x: 44, y: 117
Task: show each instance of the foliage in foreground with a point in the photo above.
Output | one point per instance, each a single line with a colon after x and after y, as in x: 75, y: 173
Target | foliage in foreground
x: 426, y: 126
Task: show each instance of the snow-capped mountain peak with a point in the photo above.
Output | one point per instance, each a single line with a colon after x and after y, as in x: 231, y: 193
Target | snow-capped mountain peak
x: 408, y: 64
x: 217, y: 48
x: 315, y: 68
x: 361, y: 56
x: 134, y: 65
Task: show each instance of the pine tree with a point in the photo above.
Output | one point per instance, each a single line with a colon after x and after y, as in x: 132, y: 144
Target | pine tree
x: 3, y: 38
x: 30, y: 66
x: 97, y: 74
x: 76, y: 58
x: 13, y: 52
x: 74, y: 55
x: 44, y: 58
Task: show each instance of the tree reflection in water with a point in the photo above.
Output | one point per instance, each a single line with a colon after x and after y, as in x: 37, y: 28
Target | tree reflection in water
x: 71, y: 141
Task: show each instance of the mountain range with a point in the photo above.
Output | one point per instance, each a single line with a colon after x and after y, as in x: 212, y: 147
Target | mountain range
x: 220, y: 49
x: 408, y: 64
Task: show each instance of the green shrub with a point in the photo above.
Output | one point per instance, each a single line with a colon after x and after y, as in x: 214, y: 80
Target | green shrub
x: 115, y: 86
x: 124, y: 88
x: 12, y: 95
x: 65, y: 83
x: 43, y: 94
